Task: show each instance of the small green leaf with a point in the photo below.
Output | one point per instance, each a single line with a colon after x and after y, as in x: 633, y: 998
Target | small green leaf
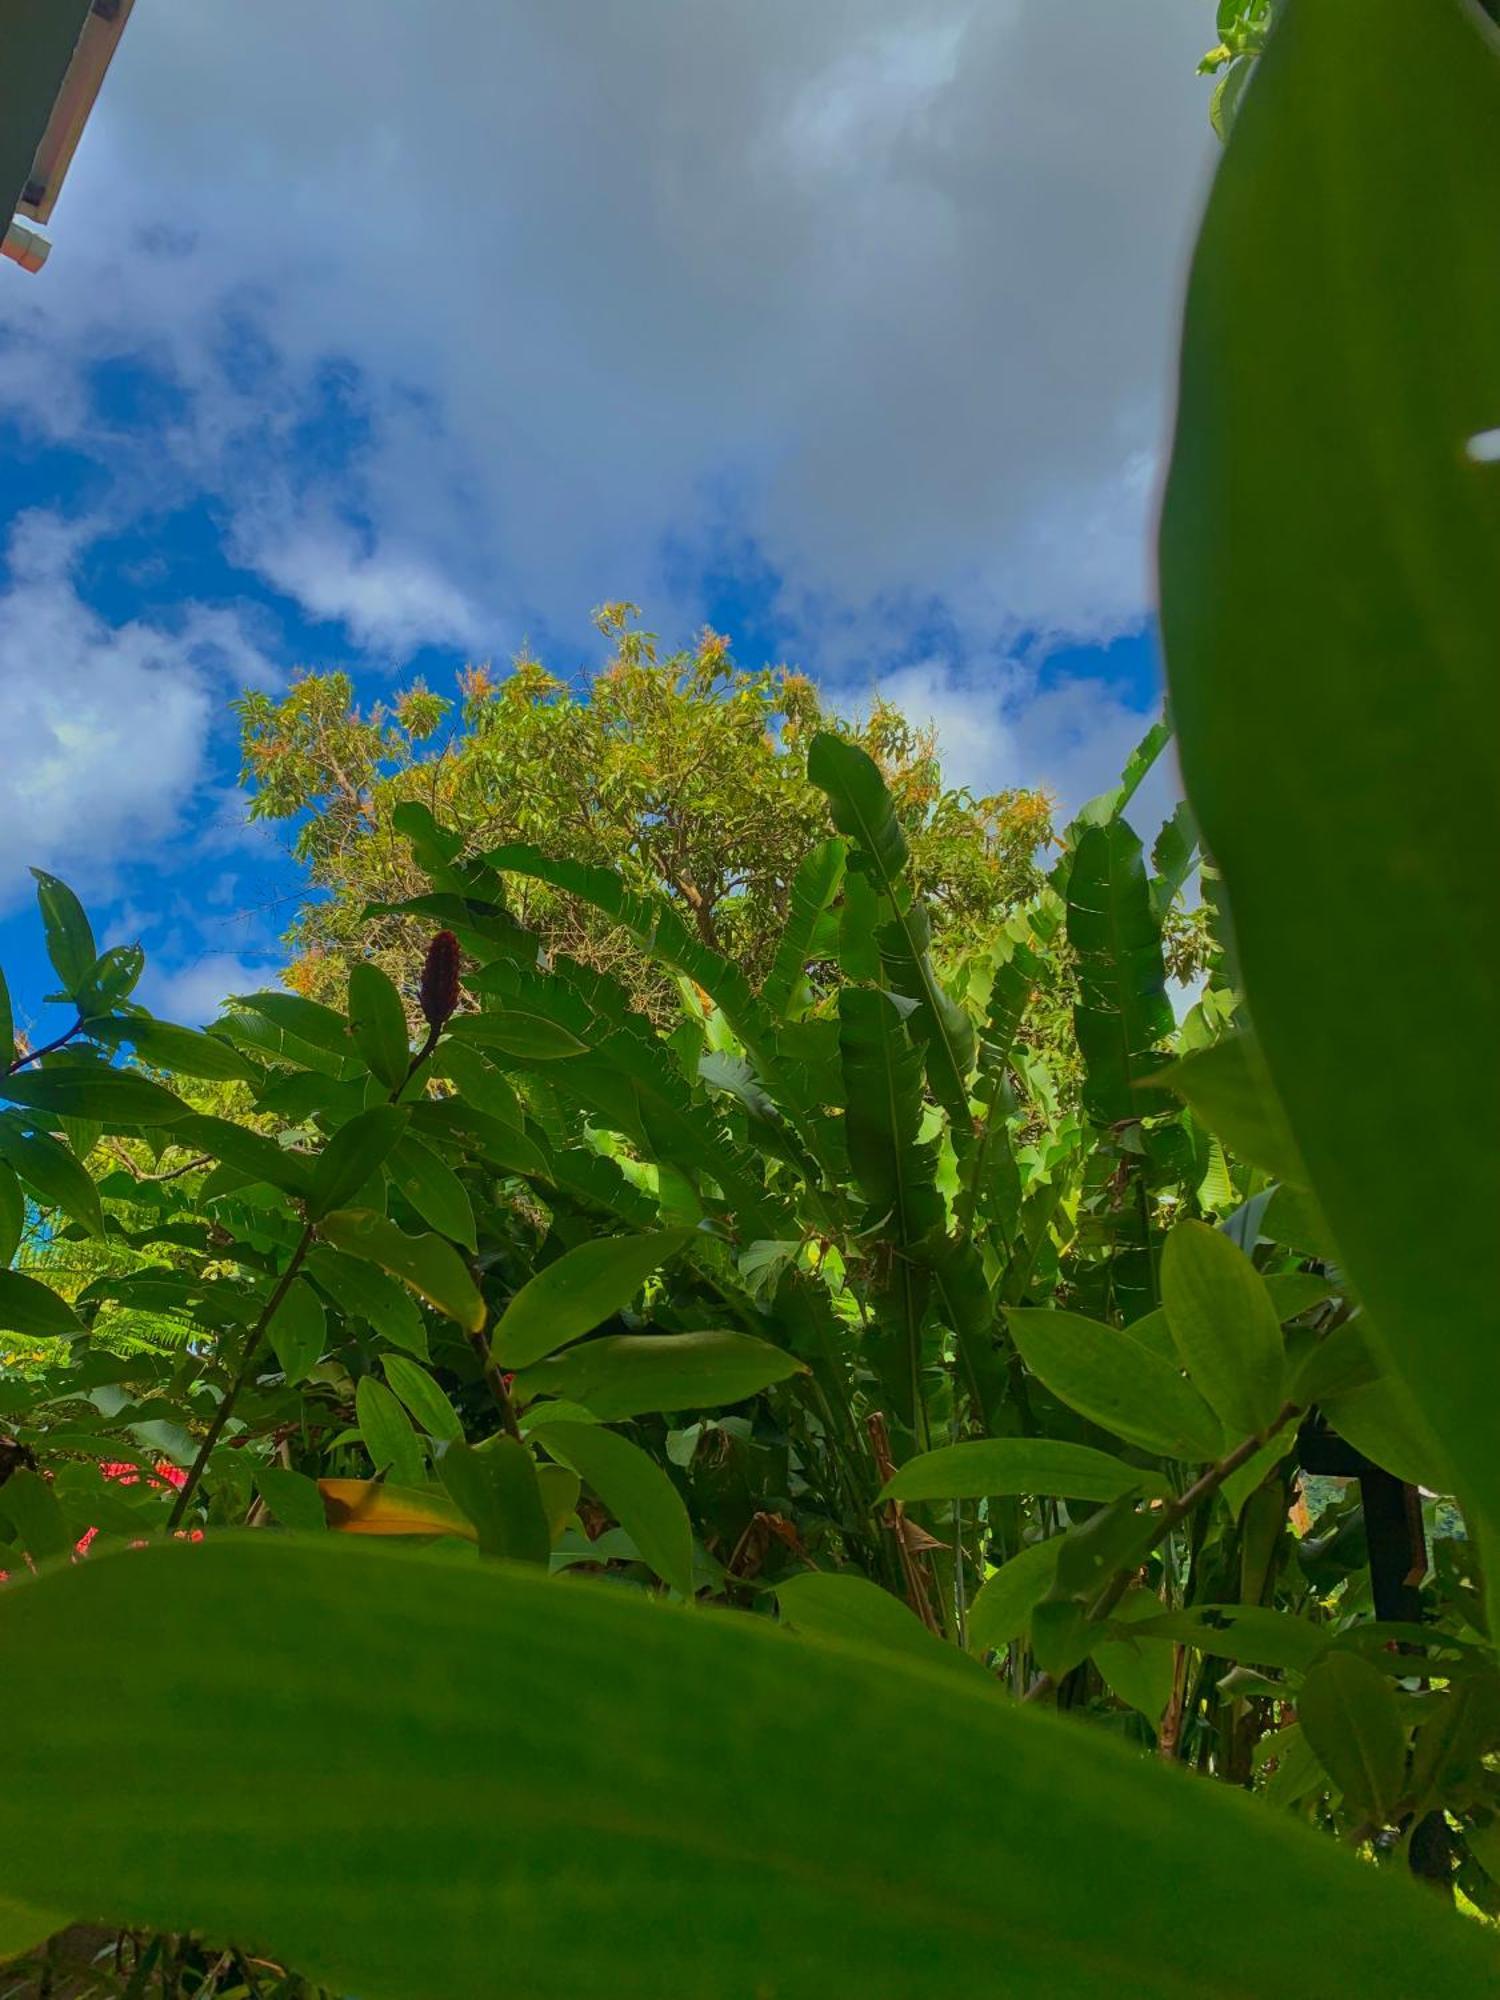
x: 497, y: 1488
x: 847, y: 1609
x: 1349, y: 1714
x: 55, y: 1176
x: 89, y: 1090
x: 377, y: 1021
x: 434, y: 1191
x: 297, y: 1331
x: 627, y: 1375
x: 70, y: 940
x: 387, y: 1431
x: 635, y: 1490
x: 1116, y: 1382
x: 1138, y: 1670
x: 528, y: 1037
x: 1227, y: 1331
x: 112, y: 978
x: 1049, y: 1467
x: 7, y: 1026
x: 430, y: 1266
x: 355, y: 1152
x: 423, y: 1398
x: 568, y: 1298
x: 292, y: 1497
x: 29, y: 1307
x: 1002, y: 1610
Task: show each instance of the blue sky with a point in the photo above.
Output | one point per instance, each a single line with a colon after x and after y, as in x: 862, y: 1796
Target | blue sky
x: 847, y: 330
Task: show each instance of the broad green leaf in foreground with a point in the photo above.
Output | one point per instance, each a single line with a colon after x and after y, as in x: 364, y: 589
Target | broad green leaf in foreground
x: 1329, y: 547
x: 580, y: 1782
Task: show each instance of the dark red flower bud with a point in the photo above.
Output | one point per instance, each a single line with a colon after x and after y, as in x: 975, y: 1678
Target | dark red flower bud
x: 439, y: 990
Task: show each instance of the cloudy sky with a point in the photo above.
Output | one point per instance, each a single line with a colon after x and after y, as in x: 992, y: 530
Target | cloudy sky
x: 387, y: 337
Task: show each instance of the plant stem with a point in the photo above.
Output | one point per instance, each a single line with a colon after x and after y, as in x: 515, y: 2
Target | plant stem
x: 34, y: 1055
x: 252, y: 1347
x: 494, y: 1377
x: 283, y: 1286
x: 1172, y: 1517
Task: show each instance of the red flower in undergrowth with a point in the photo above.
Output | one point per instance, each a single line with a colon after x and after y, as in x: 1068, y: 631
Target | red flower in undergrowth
x: 439, y: 989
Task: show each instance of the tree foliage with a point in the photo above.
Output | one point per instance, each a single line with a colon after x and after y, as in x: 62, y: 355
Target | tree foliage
x: 685, y: 772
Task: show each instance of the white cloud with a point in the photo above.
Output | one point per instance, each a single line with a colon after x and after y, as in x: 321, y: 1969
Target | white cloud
x: 195, y: 991
x: 998, y: 728
x: 898, y: 277
x: 106, y: 728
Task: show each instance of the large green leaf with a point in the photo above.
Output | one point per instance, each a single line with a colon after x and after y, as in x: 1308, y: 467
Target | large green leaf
x: 54, y: 1174
x: 249, y: 1153
x: 1116, y: 1382
x: 297, y: 1330
x: 813, y: 889
x: 182, y: 1051
x: 355, y: 1152
x: 434, y: 1191
x: 1349, y: 1715
x: 862, y: 809
x: 1123, y: 1011
x: 89, y: 1090
x: 430, y: 1266
x: 636, y: 1491
x: 364, y: 1290
x: 1045, y: 1466
x: 12, y: 1213
x: 883, y: 1097
x: 581, y: 1785
x: 498, y: 1489
x: 70, y: 939
x: 1331, y: 625
x: 29, y: 1307
x: 1226, y: 1329
x: 628, y: 1374
x: 847, y: 1608
x: 568, y: 1298
x: 1230, y: 1090
x: 1002, y: 1610
x: 423, y: 1398
x: 377, y: 1022
x: 388, y: 1435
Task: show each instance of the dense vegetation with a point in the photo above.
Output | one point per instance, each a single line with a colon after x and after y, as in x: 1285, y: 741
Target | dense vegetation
x: 706, y: 1404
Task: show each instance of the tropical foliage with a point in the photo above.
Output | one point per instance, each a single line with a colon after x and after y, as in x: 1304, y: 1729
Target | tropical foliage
x: 731, y: 1467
